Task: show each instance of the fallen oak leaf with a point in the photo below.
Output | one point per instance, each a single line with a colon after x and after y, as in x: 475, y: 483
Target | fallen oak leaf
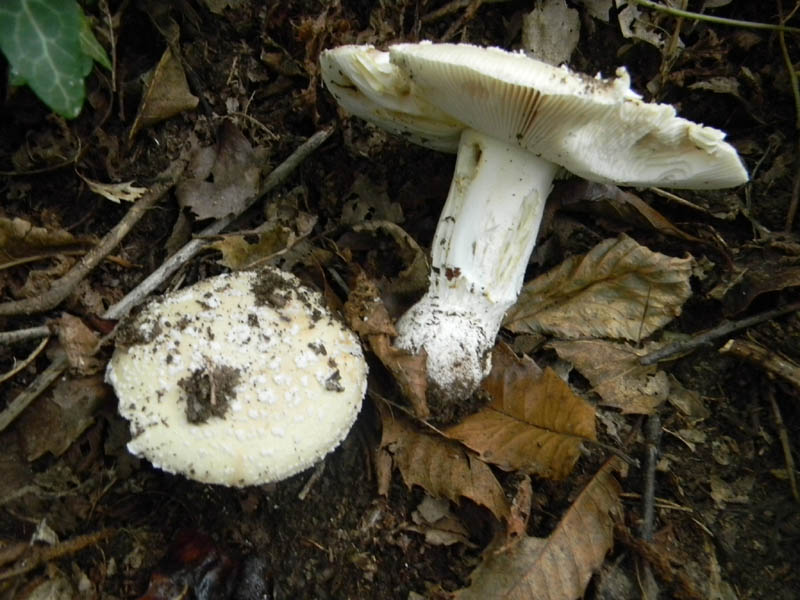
x: 534, y: 424
x: 559, y: 566
x: 440, y: 466
x: 619, y: 289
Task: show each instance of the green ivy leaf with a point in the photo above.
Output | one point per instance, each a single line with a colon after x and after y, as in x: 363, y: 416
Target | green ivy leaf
x: 41, y: 39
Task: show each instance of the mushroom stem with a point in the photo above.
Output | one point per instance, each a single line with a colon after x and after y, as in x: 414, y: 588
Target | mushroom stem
x: 484, y: 238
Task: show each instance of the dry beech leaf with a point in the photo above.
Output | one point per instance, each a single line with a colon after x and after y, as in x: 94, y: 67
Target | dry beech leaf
x: 442, y: 467
x: 368, y: 317
x: 619, y: 289
x: 616, y: 375
x: 534, y: 424
x: 557, y: 567
x: 166, y: 94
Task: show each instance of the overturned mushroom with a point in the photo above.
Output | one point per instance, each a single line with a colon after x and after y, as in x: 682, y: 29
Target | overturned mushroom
x: 240, y: 379
x: 514, y: 122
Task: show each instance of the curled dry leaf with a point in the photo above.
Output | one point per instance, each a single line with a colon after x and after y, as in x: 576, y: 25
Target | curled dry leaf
x: 557, y: 567
x: 534, y: 423
x: 166, y: 94
x: 619, y: 290
x: 442, y: 467
x: 616, y: 375
x: 368, y: 317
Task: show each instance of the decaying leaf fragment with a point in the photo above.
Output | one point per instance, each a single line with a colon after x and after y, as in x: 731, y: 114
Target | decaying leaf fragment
x: 619, y: 289
x: 616, y: 375
x: 223, y: 178
x: 116, y: 192
x: 442, y: 467
x: 534, y: 424
x: 368, y: 317
x: 21, y: 240
x: 557, y: 567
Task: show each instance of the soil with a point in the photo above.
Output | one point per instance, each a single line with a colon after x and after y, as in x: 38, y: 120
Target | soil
x: 724, y: 512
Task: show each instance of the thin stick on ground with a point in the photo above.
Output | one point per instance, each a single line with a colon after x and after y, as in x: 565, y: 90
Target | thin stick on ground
x: 783, y: 435
x: 20, y: 335
x: 63, y: 287
x: 709, y: 337
x: 121, y: 308
x: 676, y: 12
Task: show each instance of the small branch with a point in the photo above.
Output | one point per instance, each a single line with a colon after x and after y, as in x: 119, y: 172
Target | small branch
x: 725, y: 329
x: 766, y: 359
x: 653, y: 438
x: 20, y: 335
x: 24, y: 363
x: 785, y: 444
x: 198, y: 244
x: 62, y: 288
x: 676, y: 12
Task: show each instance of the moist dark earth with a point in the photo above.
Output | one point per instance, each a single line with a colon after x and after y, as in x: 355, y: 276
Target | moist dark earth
x: 108, y: 525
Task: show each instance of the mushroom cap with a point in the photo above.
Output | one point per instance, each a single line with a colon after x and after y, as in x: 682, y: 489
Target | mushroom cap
x: 596, y: 128
x: 240, y: 379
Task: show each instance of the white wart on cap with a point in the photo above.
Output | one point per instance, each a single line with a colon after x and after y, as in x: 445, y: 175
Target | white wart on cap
x: 517, y: 121
x: 240, y: 379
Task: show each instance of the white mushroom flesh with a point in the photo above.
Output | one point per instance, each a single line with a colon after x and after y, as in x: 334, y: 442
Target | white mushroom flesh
x: 527, y: 119
x: 240, y: 379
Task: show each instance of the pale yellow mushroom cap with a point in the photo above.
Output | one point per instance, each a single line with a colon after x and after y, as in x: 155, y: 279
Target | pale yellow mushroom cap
x: 240, y: 379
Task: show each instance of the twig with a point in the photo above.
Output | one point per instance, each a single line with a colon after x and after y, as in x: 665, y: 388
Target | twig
x: 676, y: 12
x: 20, y: 335
x: 38, y: 555
x: 790, y: 69
x: 653, y: 437
x: 193, y: 247
x: 785, y: 444
x: 62, y: 288
x: 450, y: 8
x: 723, y: 330
x: 765, y: 358
x: 29, y: 394
x: 24, y: 363
x: 121, y: 308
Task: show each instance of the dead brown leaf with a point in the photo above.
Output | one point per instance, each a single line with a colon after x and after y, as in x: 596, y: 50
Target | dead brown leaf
x: 534, y: 424
x: 368, y: 317
x: 78, y: 342
x: 442, y: 467
x: 166, y: 94
x: 21, y: 241
x: 234, y: 168
x: 619, y: 289
x: 557, y: 567
x: 616, y: 375
x: 56, y: 420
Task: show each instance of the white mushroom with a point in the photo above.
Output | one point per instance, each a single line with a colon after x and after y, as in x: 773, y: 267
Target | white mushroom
x: 514, y: 122
x: 240, y: 379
